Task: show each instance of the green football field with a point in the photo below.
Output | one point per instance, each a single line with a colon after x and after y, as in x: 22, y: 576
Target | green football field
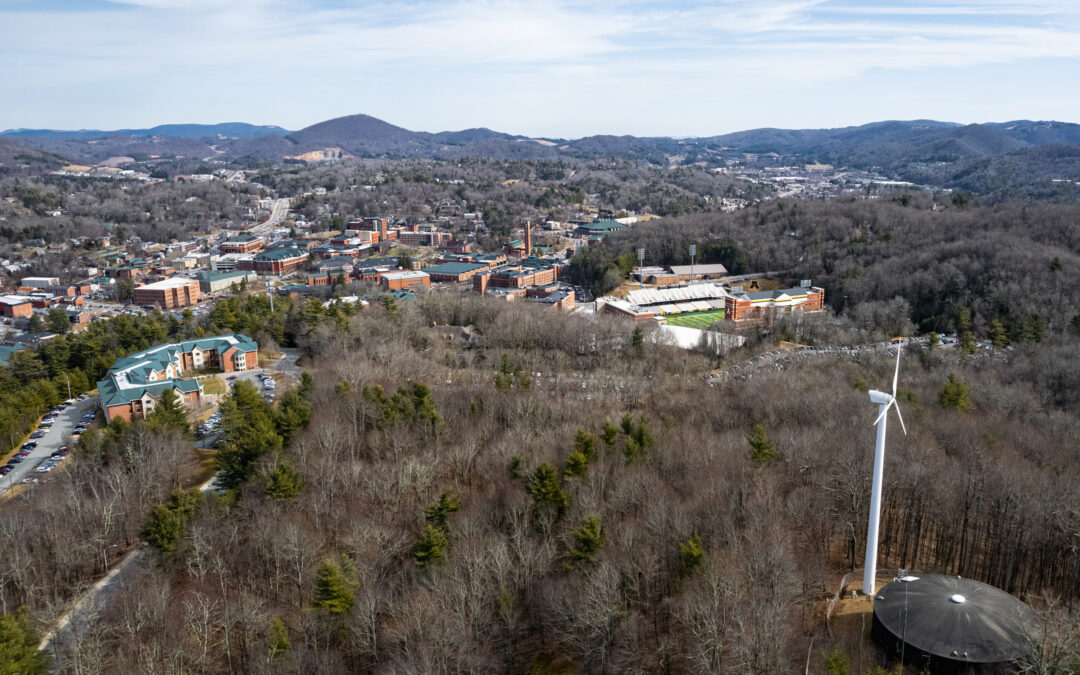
x: 696, y: 319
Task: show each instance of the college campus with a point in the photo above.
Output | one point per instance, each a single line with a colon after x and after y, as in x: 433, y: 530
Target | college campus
x: 551, y: 338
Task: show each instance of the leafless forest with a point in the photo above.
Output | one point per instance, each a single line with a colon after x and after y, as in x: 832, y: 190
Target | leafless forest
x: 577, y: 503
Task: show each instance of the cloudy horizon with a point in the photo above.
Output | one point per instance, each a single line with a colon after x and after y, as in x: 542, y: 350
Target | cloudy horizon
x: 557, y: 68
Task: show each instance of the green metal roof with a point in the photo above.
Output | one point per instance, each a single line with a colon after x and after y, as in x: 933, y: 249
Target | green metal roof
x: 209, y: 276
x: 280, y: 254
x: 127, y: 380
x: 7, y: 350
x: 602, y: 226
x: 454, y: 268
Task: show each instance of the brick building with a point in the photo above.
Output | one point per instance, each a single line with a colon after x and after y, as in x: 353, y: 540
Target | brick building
x: 169, y: 293
x: 134, y: 385
x: 514, y: 276
x: 405, y: 279
x: 454, y: 271
x: 275, y: 261
x: 15, y: 306
x: 753, y: 307
x: 426, y: 238
x: 213, y: 282
x: 242, y: 245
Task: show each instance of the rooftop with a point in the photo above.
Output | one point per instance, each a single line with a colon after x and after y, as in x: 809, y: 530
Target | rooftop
x: 167, y: 284
x: 600, y: 226
x: 208, y: 275
x: 454, y: 268
x: 405, y: 274
x: 281, y: 254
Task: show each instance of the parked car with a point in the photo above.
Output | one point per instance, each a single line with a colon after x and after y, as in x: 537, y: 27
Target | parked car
x: 15, y: 460
x: 37, y: 434
x: 231, y: 378
x: 29, y: 445
x: 6, y: 469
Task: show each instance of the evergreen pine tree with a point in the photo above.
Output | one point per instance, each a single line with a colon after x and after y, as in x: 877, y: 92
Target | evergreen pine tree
x: 549, y: 499
x: 610, y: 436
x: 691, y: 555
x: 284, y: 482
x: 19, y: 653
x: 431, y: 548
x: 998, y: 337
x: 437, y: 515
x: 954, y: 395
x: 762, y: 449
x: 278, y: 638
x: 169, y: 413
x: 333, y: 590
x: 585, y: 443
x: 576, y: 464
x: 588, y: 540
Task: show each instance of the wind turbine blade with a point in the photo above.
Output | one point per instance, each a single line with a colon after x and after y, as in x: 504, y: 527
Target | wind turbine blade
x: 883, y: 412
x: 896, y: 373
x: 898, y: 415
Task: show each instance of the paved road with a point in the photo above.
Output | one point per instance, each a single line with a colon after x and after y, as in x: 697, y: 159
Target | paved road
x: 48, y: 444
x: 278, y: 211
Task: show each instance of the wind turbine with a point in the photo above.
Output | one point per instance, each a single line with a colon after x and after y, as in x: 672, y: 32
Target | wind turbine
x: 884, y: 401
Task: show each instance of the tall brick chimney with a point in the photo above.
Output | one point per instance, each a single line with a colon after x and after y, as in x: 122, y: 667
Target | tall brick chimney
x: 528, y: 238
x: 382, y: 229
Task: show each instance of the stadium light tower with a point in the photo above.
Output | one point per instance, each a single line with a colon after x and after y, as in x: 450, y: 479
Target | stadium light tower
x: 693, y: 252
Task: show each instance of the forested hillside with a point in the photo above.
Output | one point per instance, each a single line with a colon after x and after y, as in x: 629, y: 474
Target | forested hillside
x: 1007, y: 263
x: 557, y: 495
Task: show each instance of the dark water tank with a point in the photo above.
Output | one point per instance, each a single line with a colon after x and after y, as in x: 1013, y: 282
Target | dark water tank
x: 952, y: 625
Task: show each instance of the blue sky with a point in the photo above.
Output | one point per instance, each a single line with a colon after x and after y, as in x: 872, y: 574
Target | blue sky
x: 556, y: 68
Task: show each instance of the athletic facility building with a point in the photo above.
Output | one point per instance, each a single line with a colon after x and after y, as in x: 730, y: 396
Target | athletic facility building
x: 670, y: 303
x: 753, y: 307
x: 134, y: 385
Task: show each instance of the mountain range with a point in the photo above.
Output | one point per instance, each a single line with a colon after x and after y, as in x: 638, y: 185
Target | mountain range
x: 925, y: 151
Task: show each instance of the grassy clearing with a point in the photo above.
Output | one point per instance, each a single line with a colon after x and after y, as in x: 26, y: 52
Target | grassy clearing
x: 213, y: 385
x: 699, y: 320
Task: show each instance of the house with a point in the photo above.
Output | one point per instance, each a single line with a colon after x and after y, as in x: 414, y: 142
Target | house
x: 169, y: 293
x: 134, y: 385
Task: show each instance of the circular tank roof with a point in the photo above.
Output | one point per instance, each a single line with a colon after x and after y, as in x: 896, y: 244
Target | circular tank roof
x: 955, y: 618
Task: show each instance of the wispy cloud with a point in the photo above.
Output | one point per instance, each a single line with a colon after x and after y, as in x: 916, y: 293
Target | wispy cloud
x: 432, y: 63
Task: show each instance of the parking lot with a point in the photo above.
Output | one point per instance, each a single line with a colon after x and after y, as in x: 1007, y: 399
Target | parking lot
x: 210, y: 429
x: 55, y: 437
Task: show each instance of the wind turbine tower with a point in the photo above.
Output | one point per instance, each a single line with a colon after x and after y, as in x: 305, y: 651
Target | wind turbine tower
x: 883, y: 401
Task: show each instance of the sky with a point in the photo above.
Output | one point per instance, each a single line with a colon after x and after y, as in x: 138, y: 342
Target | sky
x: 552, y: 68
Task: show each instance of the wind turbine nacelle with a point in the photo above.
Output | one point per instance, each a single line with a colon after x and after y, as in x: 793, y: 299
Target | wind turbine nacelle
x: 879, y: 397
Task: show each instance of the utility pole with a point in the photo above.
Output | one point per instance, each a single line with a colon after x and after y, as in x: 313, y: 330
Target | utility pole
x: 68, y: 378
x: 693, y: 252
x: 270, y: 292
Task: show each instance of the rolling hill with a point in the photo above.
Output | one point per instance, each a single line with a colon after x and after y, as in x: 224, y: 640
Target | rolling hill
x: 980, y: 157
